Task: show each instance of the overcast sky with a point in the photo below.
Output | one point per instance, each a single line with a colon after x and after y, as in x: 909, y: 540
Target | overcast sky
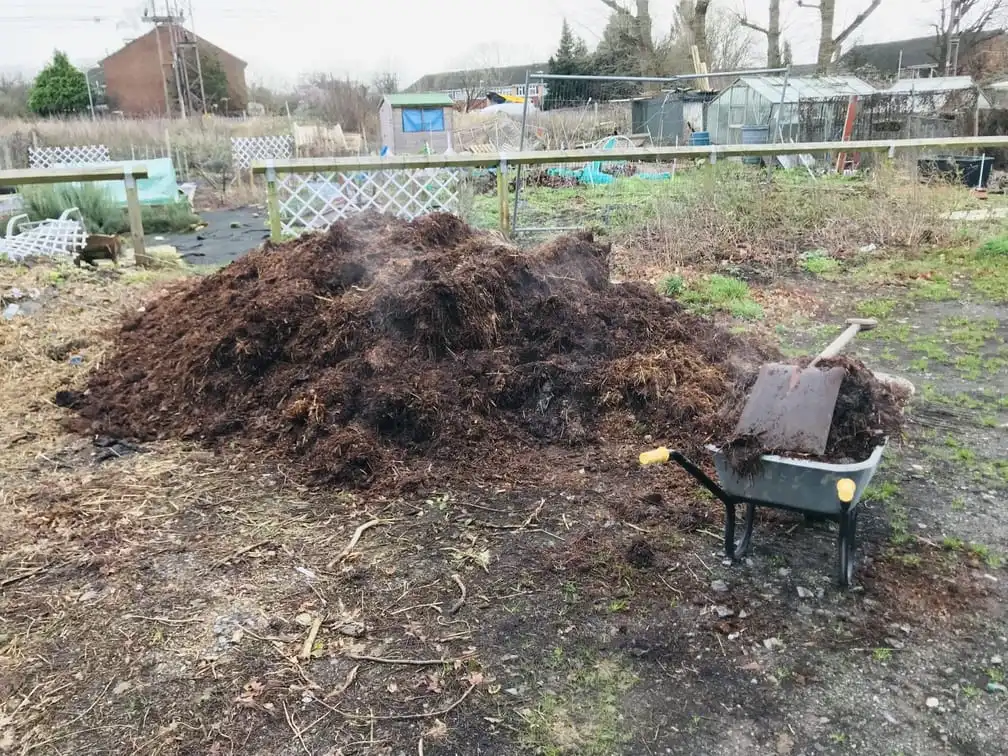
x: 282, y: 39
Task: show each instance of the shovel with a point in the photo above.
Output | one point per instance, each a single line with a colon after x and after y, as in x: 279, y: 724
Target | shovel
x: 791, y: 409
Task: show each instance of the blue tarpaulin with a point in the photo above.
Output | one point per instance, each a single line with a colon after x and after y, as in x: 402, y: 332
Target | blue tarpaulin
x: 416, y: 120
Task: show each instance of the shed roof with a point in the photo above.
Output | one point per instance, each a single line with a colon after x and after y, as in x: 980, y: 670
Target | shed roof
x: 420, y: 99
x: 807, y: 87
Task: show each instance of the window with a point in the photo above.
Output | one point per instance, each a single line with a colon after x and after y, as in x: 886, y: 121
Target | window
x: 415, y: 120
x: 521, y: 90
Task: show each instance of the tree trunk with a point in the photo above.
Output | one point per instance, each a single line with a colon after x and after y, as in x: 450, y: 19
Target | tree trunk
x: 645, y: 26
x: 773, y: 36
x: 700, y: 29
x: 827, y: 10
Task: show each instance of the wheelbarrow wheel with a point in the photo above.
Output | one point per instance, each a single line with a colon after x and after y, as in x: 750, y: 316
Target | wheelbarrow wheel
x: 736, y: 549
x: 846, y: 546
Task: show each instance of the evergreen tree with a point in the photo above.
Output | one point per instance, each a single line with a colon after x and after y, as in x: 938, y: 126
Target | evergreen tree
x: 59, y: 89
x: 571, y: 59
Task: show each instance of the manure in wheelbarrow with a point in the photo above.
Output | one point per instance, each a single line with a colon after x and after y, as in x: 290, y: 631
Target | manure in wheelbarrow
x: 380, y: 350
x: 867, y: 412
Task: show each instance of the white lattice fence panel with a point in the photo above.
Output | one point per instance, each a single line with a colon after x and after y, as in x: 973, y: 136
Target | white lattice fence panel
x: 77, y: 154
x: 318, y: 200
x: 246, y: 150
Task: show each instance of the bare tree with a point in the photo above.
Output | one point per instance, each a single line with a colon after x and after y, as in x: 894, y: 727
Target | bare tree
x: 642, y: 24
x: 829, y: 45
x: 772, y: 32
x: 386, y: 82
x: 960, y: 26
x: 700, y: 30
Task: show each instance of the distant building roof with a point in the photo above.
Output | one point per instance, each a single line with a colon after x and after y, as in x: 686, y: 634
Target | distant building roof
x: 917, y: 52
x: 420, y: 99
x: 807, y: 87
x: 938, y: 85
x: 498, y: 76
x: 184, y: 35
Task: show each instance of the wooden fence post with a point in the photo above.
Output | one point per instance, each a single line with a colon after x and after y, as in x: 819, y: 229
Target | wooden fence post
x: 502, y: 197
x: 273, y: 203
x: 135, y: 216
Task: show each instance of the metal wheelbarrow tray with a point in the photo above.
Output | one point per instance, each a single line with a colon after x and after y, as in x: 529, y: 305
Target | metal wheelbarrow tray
x: 813, y: 488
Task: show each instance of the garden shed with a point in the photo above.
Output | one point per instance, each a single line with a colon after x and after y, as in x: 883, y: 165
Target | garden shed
x: 669, y: 118
x: 752, y: 101
x: 416, y: 122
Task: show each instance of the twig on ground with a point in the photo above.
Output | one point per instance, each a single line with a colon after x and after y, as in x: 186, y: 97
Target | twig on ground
x: 235, y: 554
x: 164, y: 620
x: 405, y: 609
x: 313, y: 631
x: 294, y: 729
x: 410, y: 662
x: 403, y: 717
x: 354, y: 539
x: 351, y: 676
x: 528, y: 520
x: 420, y: 747
x: 23, y: 576
x: 461, y: 600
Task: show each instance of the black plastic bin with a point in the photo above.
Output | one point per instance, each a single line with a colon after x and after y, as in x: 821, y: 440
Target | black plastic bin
x: 971, y: 171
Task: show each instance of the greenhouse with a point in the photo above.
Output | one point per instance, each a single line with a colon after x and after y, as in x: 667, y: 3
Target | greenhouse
x: 752, y: 106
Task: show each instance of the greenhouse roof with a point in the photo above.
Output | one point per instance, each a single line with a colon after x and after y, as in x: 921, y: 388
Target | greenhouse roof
x: 933, y: 84
x: 808, y: 87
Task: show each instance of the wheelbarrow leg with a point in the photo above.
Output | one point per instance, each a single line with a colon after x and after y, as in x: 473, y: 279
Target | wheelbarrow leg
x: 846, y: 546
x: 732, y: 550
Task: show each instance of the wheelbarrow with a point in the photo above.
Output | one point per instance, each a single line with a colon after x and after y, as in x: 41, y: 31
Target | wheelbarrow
x: 816, y: 489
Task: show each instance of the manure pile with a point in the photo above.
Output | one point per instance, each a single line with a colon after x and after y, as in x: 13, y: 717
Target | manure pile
x: 383, y: 343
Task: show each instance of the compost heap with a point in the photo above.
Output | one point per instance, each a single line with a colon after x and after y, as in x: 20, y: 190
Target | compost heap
x: 380, y: 343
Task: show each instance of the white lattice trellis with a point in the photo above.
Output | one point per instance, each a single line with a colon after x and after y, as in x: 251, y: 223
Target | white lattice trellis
x: 76, y: 154
x: 52, y: 237
x: 246, y: 150
x: 318, y: 200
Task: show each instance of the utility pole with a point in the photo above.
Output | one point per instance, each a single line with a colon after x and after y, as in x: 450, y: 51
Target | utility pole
x: 169, y: 21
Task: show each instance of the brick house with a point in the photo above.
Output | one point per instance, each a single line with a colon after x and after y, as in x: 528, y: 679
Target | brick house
x: 982, y: 55
x: 135, y: 74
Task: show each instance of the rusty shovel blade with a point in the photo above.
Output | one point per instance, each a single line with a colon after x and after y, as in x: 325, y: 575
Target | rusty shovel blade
x: 791, y: 409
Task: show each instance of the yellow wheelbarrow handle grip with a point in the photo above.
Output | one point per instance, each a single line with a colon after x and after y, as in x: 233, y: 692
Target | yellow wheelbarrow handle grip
x: 655, y: 456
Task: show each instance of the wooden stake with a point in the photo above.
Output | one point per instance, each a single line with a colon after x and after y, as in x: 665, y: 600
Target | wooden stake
x: 135, y: 216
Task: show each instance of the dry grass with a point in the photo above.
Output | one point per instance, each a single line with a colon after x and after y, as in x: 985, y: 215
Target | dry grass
x: 728, y: 215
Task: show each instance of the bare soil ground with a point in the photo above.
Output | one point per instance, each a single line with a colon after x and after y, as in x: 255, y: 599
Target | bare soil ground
x: 166, y: 599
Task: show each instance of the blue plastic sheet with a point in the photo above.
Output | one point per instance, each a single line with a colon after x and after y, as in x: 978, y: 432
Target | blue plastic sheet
x: 416, y: 120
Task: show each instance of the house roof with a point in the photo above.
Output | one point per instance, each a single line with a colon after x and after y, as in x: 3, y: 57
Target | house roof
x: 187, y: 36
x: 807, y: 87
x: 415, y: 99
x: 489, y: 77
x: 917, y: 51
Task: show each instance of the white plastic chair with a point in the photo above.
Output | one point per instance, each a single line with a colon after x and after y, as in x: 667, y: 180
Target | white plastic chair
x: 46, y: 238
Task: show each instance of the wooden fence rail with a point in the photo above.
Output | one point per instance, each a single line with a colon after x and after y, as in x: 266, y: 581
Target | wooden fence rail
x: 73, y: 174
x: 502, y: 161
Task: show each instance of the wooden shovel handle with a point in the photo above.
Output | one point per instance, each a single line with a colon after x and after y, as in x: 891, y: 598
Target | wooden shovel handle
x: 837, y: 345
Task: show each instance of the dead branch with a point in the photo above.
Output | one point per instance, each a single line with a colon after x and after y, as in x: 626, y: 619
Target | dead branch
x: 409, y: 662
x: 313, y: 631
x: 403, y: 717
x: 354, y: 539
x: 461, y: 600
